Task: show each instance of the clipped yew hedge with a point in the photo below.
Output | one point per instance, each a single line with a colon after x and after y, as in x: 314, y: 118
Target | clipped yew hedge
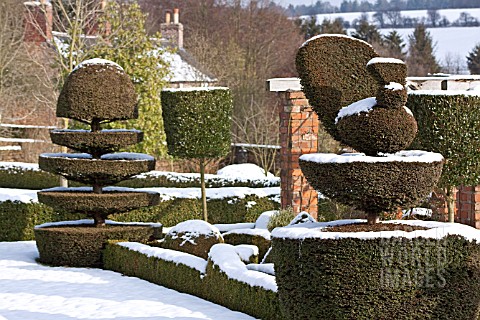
x: 20, y: 178
x: 213, y: 285
x: 395, y: 278
x: 449, y: 123
x: 17, y: 219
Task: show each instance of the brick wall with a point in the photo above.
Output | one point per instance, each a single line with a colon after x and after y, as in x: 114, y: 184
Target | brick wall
x: 298, y: 135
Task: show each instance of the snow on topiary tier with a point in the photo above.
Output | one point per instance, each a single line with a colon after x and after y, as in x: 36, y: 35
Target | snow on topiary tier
x: 96, y: 92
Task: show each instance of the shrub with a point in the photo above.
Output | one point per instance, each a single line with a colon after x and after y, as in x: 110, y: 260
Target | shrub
x: 396, y: 278
x: 281, y: 219
x: 449, y: 123
x: 82, y: 245
x: 192, y: 236
x: 17, y: 219
x: 22, y: 177
x: 197, y: 124
x: 212, y: 283
x: 328, y: 84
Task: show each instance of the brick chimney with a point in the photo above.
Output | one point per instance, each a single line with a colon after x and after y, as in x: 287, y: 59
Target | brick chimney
x: 38, y: 21
x: 172, y: 31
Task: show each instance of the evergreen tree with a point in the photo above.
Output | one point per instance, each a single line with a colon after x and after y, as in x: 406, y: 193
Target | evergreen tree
x: 128, y: 44
x: 335, y: 27
x: 367, y: 32
x: 421, y: 60
x: 394, y: 45
x: 473, y: 60
x: 309, y: 27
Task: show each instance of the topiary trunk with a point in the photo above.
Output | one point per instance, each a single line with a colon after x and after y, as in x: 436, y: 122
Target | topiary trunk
x: 204, y: 191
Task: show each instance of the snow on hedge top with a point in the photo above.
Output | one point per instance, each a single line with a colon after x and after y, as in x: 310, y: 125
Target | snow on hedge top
x: 91, y: 221
x: 325, y: 35
x: 97, y: 61
x: 226, y: 258
x: 384, y: 60
x: 438, y: 230
x: 302, y: 217
x: 263, y: 220
x: 247, y: 171
x: 469, y: 93
x: 195, y: 89
x: 131, y: 156
x: 401, y: 156
x: 174, y: 256
x: 364, y: 105
x: 192, y: 229
x: 394, y: 86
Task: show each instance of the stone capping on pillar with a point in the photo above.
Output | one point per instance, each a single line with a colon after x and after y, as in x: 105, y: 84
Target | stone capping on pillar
x: 298, y: 135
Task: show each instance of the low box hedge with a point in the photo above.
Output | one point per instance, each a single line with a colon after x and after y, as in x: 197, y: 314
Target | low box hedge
x: 17, y: 219
x: 395, y: 278
x: 20, y: 177
x: 212, y: 284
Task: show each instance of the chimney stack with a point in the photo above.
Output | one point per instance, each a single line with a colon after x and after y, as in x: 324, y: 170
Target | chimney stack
x: 172, y: 32
x: 176, y: 16
x: 37, y: 21
x: 167, y: 17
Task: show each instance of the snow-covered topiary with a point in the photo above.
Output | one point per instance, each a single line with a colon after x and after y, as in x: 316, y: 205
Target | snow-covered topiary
x: 193, y: 236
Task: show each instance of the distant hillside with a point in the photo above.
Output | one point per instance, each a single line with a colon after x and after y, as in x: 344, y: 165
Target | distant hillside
x: 452, y: 43
x: 454, y: 17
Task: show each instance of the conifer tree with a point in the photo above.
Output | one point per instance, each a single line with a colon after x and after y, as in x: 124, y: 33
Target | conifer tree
x: 421, y: 59
x: 394, y: 45
x: 473, y: 60
x: 127, y: 43
x: 367, y: 32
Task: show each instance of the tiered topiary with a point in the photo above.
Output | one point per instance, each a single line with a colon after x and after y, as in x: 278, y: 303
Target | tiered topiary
x: 96, y: 92
x: 356, y: 270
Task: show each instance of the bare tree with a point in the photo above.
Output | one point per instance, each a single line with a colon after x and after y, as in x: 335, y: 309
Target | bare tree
x: 433, y: 17
x: 453, y: 63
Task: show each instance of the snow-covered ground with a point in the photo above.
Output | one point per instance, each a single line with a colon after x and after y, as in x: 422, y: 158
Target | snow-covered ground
x: 32, y: 291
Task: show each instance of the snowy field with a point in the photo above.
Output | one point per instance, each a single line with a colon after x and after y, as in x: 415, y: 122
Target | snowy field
x: 29, y: 291
x: 450, y: 14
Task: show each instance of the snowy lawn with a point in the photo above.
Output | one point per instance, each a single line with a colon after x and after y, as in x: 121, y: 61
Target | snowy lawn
x: 32, y: 291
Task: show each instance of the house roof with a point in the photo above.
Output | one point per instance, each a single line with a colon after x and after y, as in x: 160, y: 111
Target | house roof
x: 183, y: 67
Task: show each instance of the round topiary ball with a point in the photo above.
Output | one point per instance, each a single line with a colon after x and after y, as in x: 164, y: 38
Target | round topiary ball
x: 99, y: 90
x: 193, y: 236
x: 377, y: 130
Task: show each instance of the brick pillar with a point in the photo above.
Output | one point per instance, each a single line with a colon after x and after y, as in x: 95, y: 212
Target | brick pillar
x: 298, y: 135
x: 468, y: 206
